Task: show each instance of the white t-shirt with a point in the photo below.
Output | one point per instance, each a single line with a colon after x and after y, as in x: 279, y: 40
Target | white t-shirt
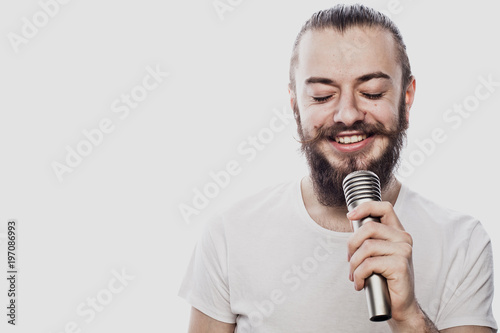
x: 267, y: 266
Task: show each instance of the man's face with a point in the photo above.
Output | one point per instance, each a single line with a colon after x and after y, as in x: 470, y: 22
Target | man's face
x: 351, y: 106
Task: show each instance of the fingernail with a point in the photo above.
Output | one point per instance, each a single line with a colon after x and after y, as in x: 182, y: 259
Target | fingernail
x: 350, y: 214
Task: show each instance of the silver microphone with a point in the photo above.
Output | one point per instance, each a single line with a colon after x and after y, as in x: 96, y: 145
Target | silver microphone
x: 362, y: 186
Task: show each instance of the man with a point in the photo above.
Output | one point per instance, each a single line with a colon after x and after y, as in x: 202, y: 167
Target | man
x: 286, y: 260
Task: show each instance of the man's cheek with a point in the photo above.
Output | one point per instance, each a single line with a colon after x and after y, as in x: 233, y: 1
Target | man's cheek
x: 380, y: 145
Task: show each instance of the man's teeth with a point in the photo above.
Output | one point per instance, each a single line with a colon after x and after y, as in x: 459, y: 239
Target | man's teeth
x: 350, y: 139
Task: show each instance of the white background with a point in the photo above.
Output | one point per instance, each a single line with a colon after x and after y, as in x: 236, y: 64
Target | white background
x: 119, y: 209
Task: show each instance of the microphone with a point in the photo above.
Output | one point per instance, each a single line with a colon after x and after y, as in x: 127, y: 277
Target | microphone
x: 362, y: 186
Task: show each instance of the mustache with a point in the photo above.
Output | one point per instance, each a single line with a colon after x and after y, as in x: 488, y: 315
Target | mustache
x: 330, y: 132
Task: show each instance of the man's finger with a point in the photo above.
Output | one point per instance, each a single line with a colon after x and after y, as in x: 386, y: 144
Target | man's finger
x: 382, y: 209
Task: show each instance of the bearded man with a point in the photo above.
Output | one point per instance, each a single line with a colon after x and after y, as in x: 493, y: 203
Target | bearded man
x: 286, y: 259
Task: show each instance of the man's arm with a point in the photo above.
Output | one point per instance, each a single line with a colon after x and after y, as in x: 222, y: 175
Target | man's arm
x: 201, y: 323
x: 422, y: 323
x: 468, y: 329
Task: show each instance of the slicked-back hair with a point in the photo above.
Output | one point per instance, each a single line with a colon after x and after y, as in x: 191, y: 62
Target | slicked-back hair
x: 342, y: 17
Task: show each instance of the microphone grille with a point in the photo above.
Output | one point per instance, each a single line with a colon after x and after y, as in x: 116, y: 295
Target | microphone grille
x: 361, y: 186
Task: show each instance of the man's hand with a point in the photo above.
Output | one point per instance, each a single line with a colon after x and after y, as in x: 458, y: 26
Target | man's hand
x: 385, y: 248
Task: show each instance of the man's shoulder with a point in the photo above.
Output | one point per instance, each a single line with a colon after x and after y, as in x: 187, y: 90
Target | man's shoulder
x: 265, y: 198
x: 422, y: 211
x: 259, y: 206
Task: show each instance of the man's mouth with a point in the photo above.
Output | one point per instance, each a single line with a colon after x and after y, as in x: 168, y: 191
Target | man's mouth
x: 347, y: 139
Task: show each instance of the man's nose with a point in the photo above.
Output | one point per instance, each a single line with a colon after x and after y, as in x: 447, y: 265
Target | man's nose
x: 347, y: 111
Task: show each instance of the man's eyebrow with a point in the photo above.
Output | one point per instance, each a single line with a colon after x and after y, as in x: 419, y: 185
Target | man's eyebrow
x: 361, y: 79
x: 322, y: 80
x: 375, y: 75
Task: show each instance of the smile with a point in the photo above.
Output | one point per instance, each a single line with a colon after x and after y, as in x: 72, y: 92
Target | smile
x: 350, y: 139
x: 352, y: 142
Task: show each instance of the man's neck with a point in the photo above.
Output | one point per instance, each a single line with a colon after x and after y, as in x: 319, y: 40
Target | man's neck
x: 334, y: 218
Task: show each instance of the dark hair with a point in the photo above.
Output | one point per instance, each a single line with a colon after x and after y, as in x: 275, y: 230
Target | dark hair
x: 343, y: 17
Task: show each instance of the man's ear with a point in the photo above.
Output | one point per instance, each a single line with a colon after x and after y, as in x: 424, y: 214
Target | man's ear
x: 410, y: 96
x: 293, y: 98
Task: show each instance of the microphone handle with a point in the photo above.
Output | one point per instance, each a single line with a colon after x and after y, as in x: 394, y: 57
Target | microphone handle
x: 376, y: 289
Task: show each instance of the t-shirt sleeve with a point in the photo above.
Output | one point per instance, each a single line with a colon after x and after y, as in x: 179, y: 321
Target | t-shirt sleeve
x: 205, y: 285
x: 470, y: 303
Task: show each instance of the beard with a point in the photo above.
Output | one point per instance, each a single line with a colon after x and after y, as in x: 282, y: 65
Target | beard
x: 327, y: 178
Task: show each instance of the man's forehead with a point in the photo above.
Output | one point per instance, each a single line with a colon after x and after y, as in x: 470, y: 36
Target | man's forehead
x: 355, y: 38
x: 369, y: 47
